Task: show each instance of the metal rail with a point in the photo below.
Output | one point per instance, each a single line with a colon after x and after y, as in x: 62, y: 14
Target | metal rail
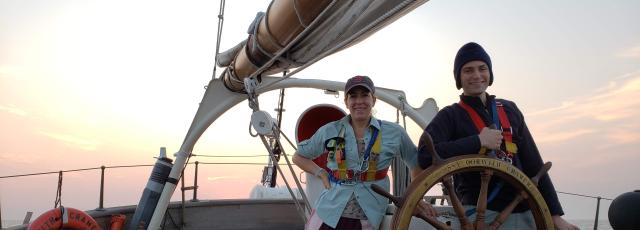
x: 598, y: 198
x: 103, y: 171
x: 195, y: 187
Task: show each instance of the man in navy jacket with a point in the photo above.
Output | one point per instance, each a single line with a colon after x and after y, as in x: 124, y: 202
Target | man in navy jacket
x: 463, y: 128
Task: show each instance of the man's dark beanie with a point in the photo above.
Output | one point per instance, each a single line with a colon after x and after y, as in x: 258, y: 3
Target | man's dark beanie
x: 470, y: 52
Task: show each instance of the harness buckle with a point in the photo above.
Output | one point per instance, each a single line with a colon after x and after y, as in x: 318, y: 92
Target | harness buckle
x: 353, y: 180
x: 348, y: 182
x: 510, y: 131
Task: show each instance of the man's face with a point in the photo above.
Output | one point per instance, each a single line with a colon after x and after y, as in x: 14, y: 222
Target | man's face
x: 474, y: 77
x: 360, y: 101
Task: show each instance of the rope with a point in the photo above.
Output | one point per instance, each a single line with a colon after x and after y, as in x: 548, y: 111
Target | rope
x: 251, y: 133
x: 230, y: 163
x: 290, y: 143
x: 295, y: 9
x: 293, y: 196
x: 304, y: 197
x: 403, y: 110
x: 575, y: 194
x: 219, y: 37
x: 58, y: 200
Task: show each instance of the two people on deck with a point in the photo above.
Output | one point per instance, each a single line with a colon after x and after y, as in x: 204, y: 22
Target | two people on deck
x: 361, y: 148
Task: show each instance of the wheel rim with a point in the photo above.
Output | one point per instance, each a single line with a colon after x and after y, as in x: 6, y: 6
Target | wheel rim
x: 473, y: 163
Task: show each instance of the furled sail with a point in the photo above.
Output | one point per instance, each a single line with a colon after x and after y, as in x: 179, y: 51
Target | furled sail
x: 294, y: 33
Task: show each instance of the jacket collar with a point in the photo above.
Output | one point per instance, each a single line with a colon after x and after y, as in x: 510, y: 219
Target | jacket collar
x: 475, y: 102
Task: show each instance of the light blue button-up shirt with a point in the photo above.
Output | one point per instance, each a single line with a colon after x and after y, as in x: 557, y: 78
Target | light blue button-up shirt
x: 332, y: 202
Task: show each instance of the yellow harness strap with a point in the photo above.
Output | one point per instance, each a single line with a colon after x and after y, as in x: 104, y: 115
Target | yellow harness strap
x: 373, y: 159
x: 341, y: 157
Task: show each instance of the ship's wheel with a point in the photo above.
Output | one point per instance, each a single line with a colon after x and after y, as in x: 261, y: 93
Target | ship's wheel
x: 441, y: 171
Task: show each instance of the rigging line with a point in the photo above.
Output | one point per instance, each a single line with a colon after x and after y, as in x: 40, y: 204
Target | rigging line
x: 58, y: 200
x: 300, y: 20
x: 229, y: 163
x: 404, y: 102
x: 200, y: 155
x: 294, y: 41
x: 126, y: 166
x: 219, y: 37
x: 343, y: 43
x: 44, y: 173
x: 286, y: 158
x: 271, y: 175
x: 250, y: 132
x: 280, y: 108
x: 287, y: 138
x: 286, y: 182
x: 273, y: 143
x: 184, y: 167
x: 304, y: 197
x: 404, y: 121
x: 575, y: 194
x: 299, y: 186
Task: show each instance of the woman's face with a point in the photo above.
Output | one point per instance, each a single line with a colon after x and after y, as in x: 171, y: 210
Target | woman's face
x: 360, y: 101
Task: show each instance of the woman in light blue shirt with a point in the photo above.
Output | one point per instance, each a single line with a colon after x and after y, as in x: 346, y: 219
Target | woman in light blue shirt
x: 360, y: 150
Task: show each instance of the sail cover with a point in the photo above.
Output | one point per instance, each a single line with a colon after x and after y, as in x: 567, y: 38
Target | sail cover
x: 295, y: 33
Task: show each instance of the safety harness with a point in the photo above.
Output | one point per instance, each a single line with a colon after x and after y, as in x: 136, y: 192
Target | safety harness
x: 369, y: 170
x: 507, y: 132
x: 501, y: 120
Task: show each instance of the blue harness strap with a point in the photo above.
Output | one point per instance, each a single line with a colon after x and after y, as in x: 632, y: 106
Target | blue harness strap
x: 496, y: 189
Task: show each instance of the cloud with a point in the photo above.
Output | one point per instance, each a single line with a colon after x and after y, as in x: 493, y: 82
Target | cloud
x: 25, y: 159
x: 633, y: 52
x: 6, y: 70
x: 14, y: 110
x: 612, y: 112
x: 73, y: 141
x: 563, y: 136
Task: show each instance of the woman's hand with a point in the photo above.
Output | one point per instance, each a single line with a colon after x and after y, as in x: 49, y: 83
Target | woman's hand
x: 325, y: 179
x: 425, y: 209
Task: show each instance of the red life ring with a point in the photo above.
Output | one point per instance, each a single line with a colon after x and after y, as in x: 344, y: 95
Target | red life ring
x: 311, y: 120
x: 64, y: 218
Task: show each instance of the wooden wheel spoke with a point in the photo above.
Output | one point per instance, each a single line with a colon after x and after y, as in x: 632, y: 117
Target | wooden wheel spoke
x: 519, y: 198
x: 457, y: 205
x: 507, y: 211
x: 481, y: 206
x: 399, y: 202
x: 545, y: 168
x: 435, y: 158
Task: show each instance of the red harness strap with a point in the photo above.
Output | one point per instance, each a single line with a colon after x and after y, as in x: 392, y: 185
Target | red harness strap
x: 379, y: 175
x: 507, y: 132
x: 474, y: 116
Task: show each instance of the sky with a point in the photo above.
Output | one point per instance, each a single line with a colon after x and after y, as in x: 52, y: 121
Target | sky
x: 91, y: 83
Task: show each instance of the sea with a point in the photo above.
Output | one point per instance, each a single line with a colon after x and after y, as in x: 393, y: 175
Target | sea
x: 583, y: 224
x: 588, y: 224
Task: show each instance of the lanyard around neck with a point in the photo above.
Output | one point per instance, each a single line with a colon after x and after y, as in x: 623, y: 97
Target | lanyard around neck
x: 374, y: 138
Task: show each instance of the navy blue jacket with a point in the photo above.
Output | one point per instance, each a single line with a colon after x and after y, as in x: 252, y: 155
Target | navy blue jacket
x: 454, y: 134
